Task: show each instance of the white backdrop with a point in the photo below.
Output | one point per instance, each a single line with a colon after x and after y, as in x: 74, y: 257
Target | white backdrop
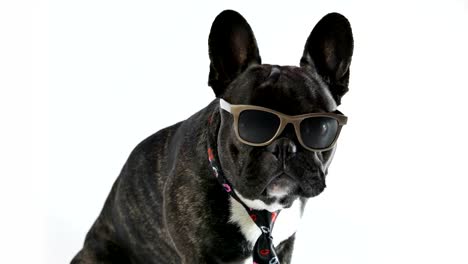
x: 83, y: 82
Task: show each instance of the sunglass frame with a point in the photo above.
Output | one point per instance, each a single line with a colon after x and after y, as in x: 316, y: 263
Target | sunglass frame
x: 296, y: 120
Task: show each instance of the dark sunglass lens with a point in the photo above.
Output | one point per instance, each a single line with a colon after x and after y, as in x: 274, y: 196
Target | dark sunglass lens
x: 257, y: 126
x: 319, y: 132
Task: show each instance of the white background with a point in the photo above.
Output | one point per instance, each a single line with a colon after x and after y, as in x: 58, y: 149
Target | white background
x: 83, y: 82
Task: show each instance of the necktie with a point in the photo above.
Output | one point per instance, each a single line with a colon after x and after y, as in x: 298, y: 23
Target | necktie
x: 263, y: 251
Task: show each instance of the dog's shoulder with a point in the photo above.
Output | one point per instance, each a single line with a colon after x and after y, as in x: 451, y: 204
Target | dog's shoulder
x: 159, y: 153
x: 151, y: 151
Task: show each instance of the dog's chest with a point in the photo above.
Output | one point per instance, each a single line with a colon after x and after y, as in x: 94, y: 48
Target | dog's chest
x: 286, y: 223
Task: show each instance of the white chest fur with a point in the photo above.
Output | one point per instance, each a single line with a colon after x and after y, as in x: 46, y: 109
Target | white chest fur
x: 286, y: 223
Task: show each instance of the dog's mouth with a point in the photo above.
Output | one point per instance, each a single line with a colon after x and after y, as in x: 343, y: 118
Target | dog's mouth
x: 285, y: 184
x: 281, y: 192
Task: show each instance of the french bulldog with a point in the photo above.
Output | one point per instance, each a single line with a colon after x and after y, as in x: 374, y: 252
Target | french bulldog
x: 166, y: 207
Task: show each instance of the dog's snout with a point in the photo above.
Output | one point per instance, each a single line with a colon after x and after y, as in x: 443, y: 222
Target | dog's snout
x: 282, y: 148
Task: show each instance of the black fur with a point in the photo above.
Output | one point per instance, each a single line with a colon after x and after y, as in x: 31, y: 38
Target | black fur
x: 167, y: 208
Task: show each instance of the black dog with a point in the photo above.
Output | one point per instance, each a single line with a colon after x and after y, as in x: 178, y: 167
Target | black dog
x: 167, y: 207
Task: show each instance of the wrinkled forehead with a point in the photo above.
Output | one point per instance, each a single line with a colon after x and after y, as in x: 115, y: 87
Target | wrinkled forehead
x: 287, y: 89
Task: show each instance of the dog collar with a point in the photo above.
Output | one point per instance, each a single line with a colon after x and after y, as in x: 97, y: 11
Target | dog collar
x: 263, y: 250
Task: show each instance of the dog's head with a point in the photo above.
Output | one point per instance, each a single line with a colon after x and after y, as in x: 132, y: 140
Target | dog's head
x: 273, y: 176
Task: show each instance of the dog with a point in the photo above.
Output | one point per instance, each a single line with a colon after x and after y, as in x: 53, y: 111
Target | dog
x: 167, y: 205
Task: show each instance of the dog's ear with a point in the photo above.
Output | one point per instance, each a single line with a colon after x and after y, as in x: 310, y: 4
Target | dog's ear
x: 328, y: 52
x: 232, y: 48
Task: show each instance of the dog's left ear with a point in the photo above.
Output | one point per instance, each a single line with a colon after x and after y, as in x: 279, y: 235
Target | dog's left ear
x: 328, y: 52
x: 232, y: 48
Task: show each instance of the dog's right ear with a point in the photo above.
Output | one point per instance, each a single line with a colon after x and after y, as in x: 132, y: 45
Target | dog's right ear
x: 232, y: 48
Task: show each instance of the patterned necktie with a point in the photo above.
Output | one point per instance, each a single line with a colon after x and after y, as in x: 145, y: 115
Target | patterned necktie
x: 263, y: 251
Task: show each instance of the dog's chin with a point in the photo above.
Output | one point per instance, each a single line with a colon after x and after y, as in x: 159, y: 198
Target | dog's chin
x: 276, y: 197
x: 285, y: 187
x: 287, y: 199
x: 265, y: 202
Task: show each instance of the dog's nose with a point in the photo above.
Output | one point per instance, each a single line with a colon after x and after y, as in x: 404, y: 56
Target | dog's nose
x: 282, y: 148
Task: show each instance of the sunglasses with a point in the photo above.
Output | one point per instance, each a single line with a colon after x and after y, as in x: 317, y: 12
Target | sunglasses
x: 259, y: 126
